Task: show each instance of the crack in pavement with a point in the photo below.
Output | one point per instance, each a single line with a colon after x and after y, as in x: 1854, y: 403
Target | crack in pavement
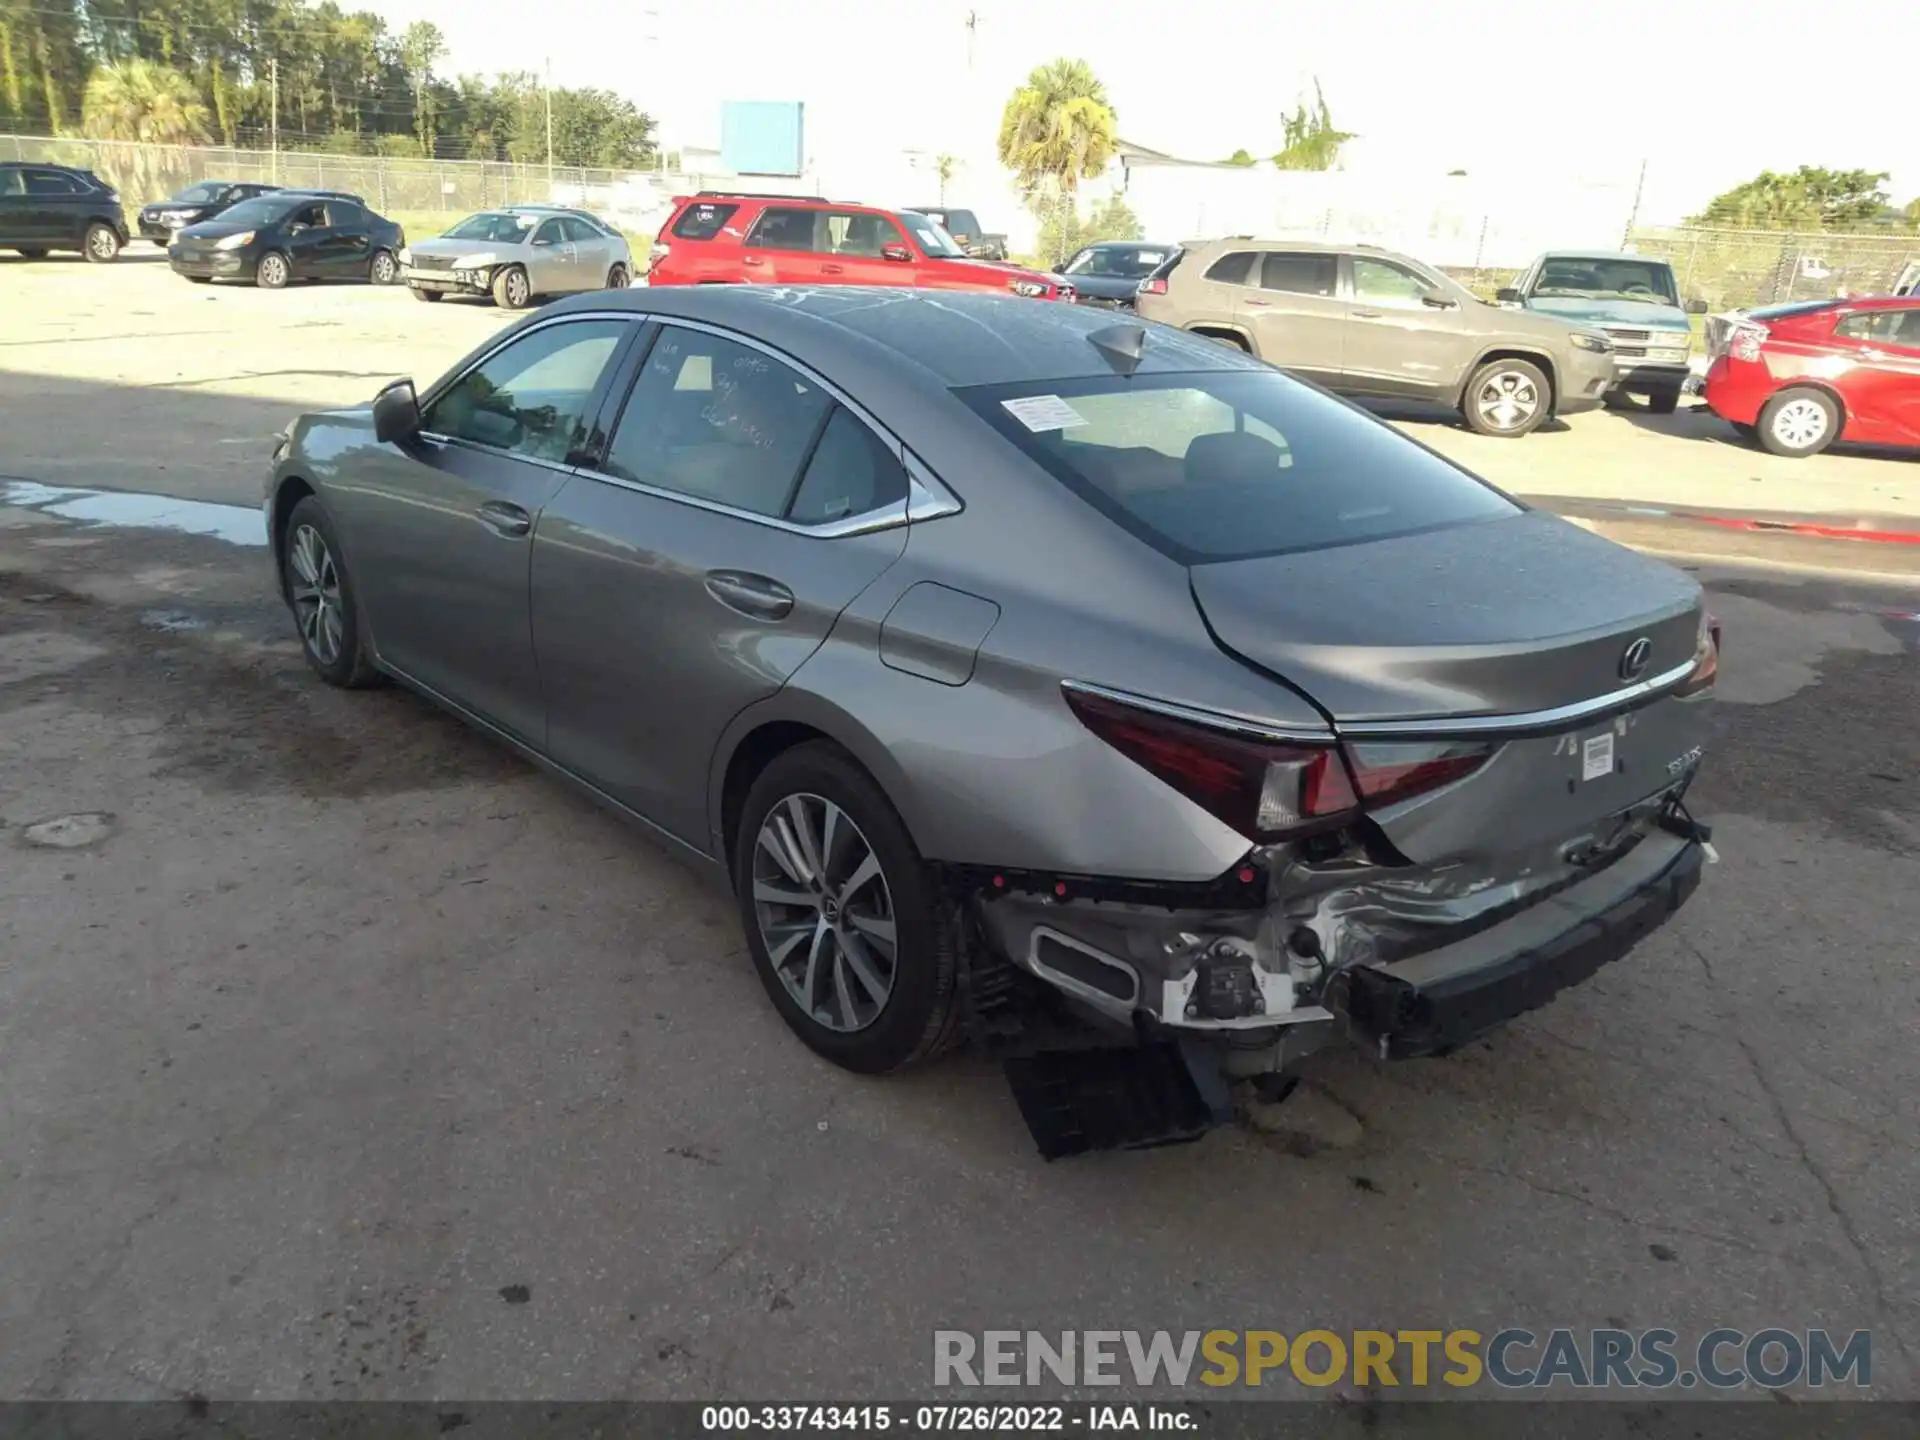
x: 1813, y: 1167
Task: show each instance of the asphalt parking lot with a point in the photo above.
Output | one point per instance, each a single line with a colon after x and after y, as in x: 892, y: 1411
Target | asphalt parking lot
x: 342, y: 1055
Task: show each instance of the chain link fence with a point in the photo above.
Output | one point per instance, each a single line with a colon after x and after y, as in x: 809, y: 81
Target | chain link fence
x: 1739, y: 269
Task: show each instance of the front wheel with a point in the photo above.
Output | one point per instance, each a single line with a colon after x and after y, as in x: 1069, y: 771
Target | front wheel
x: 428, y: 295
x: 1507, y: 398
x: 1663, y: 402
x: 273, y: 272
x: 322, y: 599
x: 511, y: 289
x: 846, y: 928
x: 385, y: 269
x: 1799, y: 422
x: 102, y: 243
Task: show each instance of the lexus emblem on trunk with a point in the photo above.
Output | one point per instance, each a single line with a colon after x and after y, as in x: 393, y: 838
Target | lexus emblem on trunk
x: 1634, y: 658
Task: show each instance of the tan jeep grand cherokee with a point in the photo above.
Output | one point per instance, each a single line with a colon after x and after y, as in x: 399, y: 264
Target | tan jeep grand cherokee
x: 1369, y: 322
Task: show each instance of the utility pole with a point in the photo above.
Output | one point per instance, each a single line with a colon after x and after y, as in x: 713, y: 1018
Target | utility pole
x: 549, y: 91
x: 273, y: 69
x: 1633, y: 218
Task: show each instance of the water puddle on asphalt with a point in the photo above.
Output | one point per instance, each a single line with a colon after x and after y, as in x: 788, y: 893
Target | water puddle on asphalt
x: 235, y: 524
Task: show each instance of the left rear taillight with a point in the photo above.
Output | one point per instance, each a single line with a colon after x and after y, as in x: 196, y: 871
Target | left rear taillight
x: 1706, y: 658
x: 658, y: 253
x: 1745, y: 341
x: 1270, y: 789
x: 1154, y: 286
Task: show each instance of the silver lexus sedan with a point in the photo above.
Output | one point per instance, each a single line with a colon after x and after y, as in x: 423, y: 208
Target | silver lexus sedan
x: 518, y: 253
x: 1084, y: 687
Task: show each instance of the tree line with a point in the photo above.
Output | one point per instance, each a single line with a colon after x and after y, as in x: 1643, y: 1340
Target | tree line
x: 203, y: 72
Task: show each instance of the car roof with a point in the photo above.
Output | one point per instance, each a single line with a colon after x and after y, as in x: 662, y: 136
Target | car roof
x: 1603, y: 255
x: 860, y: 335
x: 1878, y: 302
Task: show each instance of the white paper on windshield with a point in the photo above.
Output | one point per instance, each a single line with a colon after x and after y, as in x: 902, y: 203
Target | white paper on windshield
x: 1044, y: 412
x: 1596, y: 757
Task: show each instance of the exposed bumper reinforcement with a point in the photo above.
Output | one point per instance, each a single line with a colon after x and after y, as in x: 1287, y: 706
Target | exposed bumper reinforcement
x: 1437, y: 1001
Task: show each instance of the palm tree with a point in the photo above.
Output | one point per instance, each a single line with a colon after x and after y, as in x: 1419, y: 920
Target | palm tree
x: 1057, y: 130
x: 151, y: 108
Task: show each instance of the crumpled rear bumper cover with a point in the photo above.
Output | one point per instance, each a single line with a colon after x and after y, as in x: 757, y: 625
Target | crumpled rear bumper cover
x: 1426, y: 1006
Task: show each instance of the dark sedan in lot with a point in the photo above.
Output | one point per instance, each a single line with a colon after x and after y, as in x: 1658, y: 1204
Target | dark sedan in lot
x: 1109, y: 273
x: 291, y: 235
x: 159, y: 222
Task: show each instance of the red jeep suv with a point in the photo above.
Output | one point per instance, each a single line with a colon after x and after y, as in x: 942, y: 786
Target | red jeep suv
x: 715, y: 238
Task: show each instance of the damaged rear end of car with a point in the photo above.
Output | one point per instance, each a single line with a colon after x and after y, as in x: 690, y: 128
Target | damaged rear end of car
x: 1491, y: 807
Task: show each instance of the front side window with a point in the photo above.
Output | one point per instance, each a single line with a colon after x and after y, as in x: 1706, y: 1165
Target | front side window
x: 1232, y: 464
x: 532, y: 397
x: 860, y: 233
x: 312, y: 216
x: 783, y: 227
x: 1298, y: 273
x: 578, y: 230
x: 1381, y: 282
x: 548, y: 233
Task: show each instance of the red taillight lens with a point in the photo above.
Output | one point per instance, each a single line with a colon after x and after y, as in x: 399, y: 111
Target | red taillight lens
x: 1706, y: 659
x: 1264, y: 789
x: 1152, y: 287
x: 1386, y: 773
x: 1746, y: 342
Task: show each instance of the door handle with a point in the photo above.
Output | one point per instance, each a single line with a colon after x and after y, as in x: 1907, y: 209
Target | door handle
x: 1261, y: 304
x: 833, y: 269
x: 508, y: 520
x: 752, y: 595
x: 1365, y: 314
x: 751, y: 260
x: 1868, y: 352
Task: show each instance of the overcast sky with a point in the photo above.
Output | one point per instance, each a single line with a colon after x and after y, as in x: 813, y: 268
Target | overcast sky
x: 1709, y: 91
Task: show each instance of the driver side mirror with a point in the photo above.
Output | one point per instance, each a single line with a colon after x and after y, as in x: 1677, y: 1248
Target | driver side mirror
x: 396, y: 413
x: 1696, y: 307
x: 895, y: 252
x: 1439, y: 302
x: 1507, y: 295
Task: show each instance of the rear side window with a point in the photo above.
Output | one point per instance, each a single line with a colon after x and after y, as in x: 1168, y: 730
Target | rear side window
x: 852, y: 472
x: 783, y: 227
x: 1887, y: 327
x: 1232, y: 465
x: 702, y: 222
x: 1298, y: 274
x: 1234, y: 269
x: 50, y: 182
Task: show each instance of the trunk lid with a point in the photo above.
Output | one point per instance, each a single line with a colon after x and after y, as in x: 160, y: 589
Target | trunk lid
x: 1503, y: 617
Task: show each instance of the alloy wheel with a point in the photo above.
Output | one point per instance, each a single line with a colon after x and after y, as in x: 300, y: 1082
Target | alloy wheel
x: 1507, y: 399
x: 1800, y: 423
x: 825, y: 912
x: 317, y: 606
x: 102, y: 243
x: 383, y: 269
x: 516, y: 289
x: 273, y: 272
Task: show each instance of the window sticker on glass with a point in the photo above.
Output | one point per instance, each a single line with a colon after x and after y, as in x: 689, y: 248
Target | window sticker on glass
x: 1596, y: 757
x: 1044, y: 412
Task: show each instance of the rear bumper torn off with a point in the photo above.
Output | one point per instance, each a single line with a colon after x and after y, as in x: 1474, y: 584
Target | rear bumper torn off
x: 1439, y: 1000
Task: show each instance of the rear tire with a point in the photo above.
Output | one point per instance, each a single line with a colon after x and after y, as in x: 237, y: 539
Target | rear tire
x: 1507, y: 399
x: 320, y: 594
x: 102, y: 244
x: 834, y: 933
x: 511, y: 289
x: 1798, y: 422
x: 1663, y: 402
x: 273, y: 272
x: 430, y: 296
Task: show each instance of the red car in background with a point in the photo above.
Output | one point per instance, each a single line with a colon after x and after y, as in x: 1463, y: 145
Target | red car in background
x: 716, y: 238
x: 1797, y: 378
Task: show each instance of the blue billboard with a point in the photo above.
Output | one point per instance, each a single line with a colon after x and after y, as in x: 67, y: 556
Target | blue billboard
x: 763, y: 137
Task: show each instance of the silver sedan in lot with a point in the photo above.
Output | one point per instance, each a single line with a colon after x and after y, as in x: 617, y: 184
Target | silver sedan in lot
x: 1010, y: 662
x: 518, y: 253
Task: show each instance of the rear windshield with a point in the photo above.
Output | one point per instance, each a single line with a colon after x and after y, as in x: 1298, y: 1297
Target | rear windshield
x: 702, y: 222
x: 1228, y: 466
x: 1799, y: 307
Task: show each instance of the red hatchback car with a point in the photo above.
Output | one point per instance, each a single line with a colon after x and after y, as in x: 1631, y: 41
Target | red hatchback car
x: 716, y: 238
x: 1799, y: 377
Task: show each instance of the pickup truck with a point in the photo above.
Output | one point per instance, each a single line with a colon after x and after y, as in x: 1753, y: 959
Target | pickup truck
x: 1634, y: 299
x: 964, y: 227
